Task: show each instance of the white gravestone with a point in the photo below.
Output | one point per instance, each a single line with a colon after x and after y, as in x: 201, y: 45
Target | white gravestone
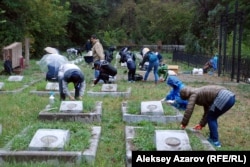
x: 52, y: 86
x: 109, y: 88
x: 1, y: 85
x: 172, y: 140
x: 49, y: 139
x: 71, y: 106
x: 151, y: 108
x: 15, y: 78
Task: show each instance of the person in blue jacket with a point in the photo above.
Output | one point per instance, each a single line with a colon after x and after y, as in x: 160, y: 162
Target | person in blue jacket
x: 128, y: 57
x: 173, y: 96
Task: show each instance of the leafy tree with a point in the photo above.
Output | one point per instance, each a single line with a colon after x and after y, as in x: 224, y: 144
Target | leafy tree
x: 166, y: 21
x: 43, y: 21
x: 84, y: 20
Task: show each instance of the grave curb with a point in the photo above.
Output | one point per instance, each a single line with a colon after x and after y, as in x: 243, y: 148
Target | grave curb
x: 113, y: 94
x: 130, y: 134
x: 19, y: 89
x: 132, y: 118
x: 77, y: 157
x: 77, y: 117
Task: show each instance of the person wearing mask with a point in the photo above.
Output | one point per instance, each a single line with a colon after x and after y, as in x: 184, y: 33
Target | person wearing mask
x: 71, y: 73
x: 216, y: 100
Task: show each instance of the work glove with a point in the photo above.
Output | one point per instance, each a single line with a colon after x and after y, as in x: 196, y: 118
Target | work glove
x: 71, y: 98
x: 198, y: 127
x: 183, y: 127
x: 170, y: 101
x: 79, y: 98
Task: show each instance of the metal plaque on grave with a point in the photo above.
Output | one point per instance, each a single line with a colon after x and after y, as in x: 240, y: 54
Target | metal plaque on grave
x: 52, y: 86
x: 1, y: 85
x: 171, y: 140
x: 151, y: 108
x: 71, y: 106
x: 109, y: 88
x: 15, y: 78
x: 49, y: 139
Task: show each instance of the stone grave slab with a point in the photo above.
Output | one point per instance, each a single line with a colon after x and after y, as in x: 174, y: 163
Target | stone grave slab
x: 109, y: 88
x: 71, y: 106
x: 15, y: 78
x: 49, y: 139
x: 151, y: 108
x: 172, y: 140
x: 52, y: 86
x: 1, y: 85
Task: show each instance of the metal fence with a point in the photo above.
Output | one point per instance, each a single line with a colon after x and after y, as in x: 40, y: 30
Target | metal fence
x: 240, y: 72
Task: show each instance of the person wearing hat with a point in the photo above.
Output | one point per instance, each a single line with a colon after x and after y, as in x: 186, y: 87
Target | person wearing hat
x: 71, y: 73
x: 216, y: 100
x: 153, y: 60
x: 97, y: 52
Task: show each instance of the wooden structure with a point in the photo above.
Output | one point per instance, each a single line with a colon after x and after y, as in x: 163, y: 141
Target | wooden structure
x: 174, y: 68
x: 14, y: 52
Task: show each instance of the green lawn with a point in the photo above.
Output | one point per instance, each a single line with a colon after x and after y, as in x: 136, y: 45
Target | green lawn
x: 20, y: 110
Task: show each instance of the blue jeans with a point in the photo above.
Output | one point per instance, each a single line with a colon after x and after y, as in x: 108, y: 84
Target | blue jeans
x: 212, y: 117
x: 96, y: 73
x: 154, y: 65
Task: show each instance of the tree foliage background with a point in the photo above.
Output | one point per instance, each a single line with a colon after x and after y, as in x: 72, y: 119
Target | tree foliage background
x: 69, y: 23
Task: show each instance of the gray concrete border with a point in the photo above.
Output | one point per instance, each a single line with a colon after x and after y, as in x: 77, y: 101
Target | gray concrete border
x: 77, y: 157
x: 132, y: 118
x: 90, y: 117
x: 19, y: 89
x: 130, y: 134
x: 113, y: 94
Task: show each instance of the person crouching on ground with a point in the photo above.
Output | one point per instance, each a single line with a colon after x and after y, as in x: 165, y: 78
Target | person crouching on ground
x: 173, y: 96
x: 163, y: 71
x: 71, y: 73
x: 105, y: 71
x: 216, y: 100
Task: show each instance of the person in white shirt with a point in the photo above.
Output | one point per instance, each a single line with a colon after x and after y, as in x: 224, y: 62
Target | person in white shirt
x: 71, y: 73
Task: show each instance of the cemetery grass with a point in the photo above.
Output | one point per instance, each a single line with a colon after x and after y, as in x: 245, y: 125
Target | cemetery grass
x: 21, y: 110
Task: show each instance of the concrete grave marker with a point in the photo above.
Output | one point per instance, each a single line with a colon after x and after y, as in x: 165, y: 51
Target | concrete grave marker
x: 49, y: 139
x: 171, y: 140
x: 1, y: 85
x: 52, y: 86
x: 151, y: 108
x: 71, y: 106
x: 15, y: 78
x: 109, y: 88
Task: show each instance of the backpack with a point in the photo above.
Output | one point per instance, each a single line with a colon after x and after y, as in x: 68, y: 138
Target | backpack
x: 52, y: 74
x: 152, y: 57
x: 138, y: 77
x: 109, y: 68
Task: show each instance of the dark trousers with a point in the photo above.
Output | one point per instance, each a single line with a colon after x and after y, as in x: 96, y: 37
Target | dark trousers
x: 212, y: 117
x: 131, y: 74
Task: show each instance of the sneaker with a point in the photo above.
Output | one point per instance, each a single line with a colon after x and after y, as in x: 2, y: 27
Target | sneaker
x: 215, y: 143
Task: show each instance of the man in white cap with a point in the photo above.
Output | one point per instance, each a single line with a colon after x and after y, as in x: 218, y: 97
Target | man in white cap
x: 153, y: 60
